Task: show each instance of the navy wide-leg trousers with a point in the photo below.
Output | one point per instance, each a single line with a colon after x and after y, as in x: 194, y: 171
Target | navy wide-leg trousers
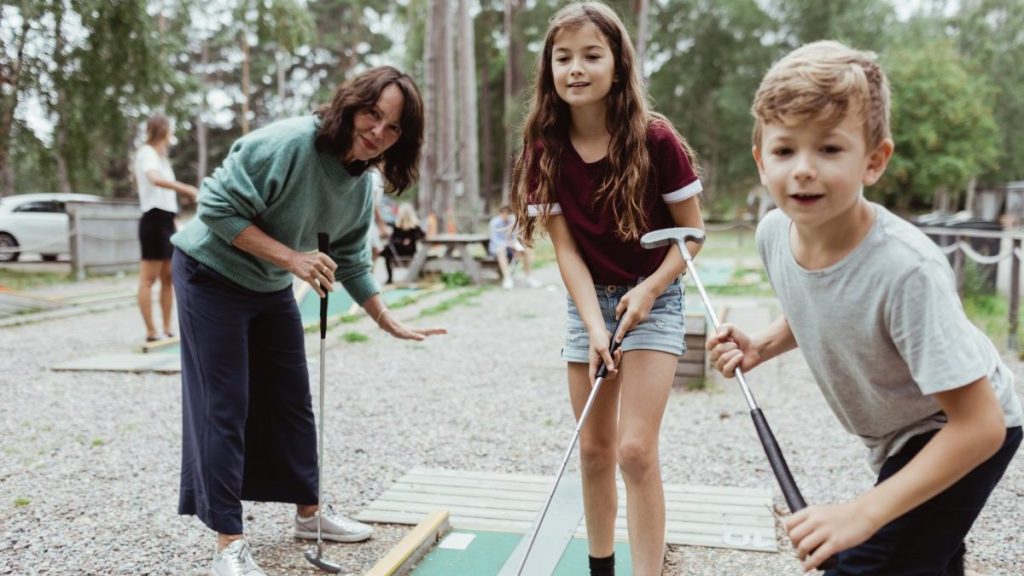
x: 247, y: 419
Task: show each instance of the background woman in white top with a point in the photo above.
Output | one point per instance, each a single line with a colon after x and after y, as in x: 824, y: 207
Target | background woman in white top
x: 158, y: 200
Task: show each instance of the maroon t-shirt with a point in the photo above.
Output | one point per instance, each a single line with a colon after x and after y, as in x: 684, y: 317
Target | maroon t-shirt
x: 610, y: 259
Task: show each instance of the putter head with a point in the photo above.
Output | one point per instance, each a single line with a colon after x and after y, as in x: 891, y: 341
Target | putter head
x: 667, y: 236
x: 314, y: 557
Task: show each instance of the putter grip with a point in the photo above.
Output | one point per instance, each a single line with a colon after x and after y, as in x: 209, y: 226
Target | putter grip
x: 790, y: 492
x: 323, y: 245
x: 602, y: 370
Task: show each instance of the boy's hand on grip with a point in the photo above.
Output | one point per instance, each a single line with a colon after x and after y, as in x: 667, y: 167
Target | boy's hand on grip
x: 731, y: 348
x: 820, y: 532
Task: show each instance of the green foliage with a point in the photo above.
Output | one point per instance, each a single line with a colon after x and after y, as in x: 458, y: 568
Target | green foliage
x: 21, y: 280
x: 121, y: 61
x: 942, y: 121
x: 354, y: 337
x: 702, y: 384
x: 713, y: 58
x: 989, y: 33
x: 990, y: 313
x: 21, y: 502
x: 456, y: 279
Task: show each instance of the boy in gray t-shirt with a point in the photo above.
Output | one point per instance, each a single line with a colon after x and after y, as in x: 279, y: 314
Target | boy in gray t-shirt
x: 872, y: 304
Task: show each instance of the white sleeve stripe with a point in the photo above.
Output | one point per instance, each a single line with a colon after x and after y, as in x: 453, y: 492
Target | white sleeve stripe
x: 534, y: 210
x: 684, y: 193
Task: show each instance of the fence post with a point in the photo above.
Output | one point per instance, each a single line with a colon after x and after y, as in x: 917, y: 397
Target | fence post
x: 1014, y: 294
x: 75, y: 242
x: 958, y: 268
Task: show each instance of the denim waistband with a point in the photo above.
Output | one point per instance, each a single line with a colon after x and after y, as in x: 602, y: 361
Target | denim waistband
x: 610, y: 289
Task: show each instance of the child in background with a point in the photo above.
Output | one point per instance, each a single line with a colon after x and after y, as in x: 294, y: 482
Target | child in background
x: 506, y: 248
x: 872, y: 303
x: 598, y: 170
x: 404, y: 238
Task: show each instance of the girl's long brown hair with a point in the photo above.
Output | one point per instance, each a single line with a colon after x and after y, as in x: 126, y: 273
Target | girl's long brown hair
x: 400, y: 163
x: 546, y: 130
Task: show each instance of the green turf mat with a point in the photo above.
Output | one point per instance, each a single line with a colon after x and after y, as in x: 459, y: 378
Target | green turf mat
x: 487, y: 553
x: 715, y: 272
x: 339, y: 302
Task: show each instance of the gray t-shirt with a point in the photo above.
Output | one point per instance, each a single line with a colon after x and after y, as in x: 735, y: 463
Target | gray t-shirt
x: 882, y: 330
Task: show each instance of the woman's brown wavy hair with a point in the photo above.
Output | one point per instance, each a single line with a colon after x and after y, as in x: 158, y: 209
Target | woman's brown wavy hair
x: 546, y: 130
x: 400, y: 163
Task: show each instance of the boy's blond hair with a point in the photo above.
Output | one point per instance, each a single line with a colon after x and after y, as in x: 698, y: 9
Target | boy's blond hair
x: 822, y: 82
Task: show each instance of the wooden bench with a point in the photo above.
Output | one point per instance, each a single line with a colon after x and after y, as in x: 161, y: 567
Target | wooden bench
x: 693, y: 366
x: 455, y: 256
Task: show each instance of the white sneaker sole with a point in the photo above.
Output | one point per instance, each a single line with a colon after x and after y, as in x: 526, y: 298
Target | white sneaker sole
x: 333, y: 537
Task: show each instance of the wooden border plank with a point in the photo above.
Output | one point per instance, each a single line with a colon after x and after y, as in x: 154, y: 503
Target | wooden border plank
x: 411, y: 549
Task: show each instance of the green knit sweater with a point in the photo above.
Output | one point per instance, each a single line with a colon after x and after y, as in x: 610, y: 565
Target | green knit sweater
x: 274, y: 178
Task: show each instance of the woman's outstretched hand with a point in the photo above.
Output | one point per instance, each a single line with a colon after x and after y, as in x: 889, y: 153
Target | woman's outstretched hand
x: 389, y: 324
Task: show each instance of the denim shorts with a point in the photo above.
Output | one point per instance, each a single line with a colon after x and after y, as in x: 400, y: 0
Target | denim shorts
x: 663, y: 330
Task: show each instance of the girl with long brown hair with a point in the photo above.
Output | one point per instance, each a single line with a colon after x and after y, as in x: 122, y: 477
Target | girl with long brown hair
x: 598, y: 169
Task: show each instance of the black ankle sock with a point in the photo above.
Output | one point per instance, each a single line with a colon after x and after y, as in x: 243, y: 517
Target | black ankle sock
x: 602, y: 566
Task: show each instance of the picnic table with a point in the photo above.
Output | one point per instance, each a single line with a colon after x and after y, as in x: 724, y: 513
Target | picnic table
x: 456, y: 255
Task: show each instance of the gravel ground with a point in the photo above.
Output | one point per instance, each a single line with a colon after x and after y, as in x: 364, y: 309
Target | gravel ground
x: 89, y: 470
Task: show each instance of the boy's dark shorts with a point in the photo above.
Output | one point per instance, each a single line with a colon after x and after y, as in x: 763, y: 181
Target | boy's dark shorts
x: 929, y: 540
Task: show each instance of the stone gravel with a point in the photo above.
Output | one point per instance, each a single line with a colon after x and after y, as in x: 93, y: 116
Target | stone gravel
x: 89, y: 473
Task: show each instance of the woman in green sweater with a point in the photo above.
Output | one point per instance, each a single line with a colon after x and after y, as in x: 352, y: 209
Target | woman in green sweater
x: 248, y: 429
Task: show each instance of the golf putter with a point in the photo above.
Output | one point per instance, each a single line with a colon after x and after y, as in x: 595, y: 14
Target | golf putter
x: 795, y: 501
x: 316, y: 557
x: 602, y: 372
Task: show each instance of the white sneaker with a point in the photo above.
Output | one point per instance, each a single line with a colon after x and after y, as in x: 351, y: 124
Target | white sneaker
x: 235, y: 560
x: 336, y: 527
x: 507, y: 283
x: 532, y: 282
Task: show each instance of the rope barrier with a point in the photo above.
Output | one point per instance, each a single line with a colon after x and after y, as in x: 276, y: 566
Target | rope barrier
x: 979, y: 257
x: 730, y: 226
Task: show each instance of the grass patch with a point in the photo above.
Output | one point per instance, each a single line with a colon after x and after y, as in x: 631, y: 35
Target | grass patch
x: 462, y: 298
x: 21, y: 502
x: 96, y: 442
x: 732, y: 243
x: 991, y: 314
x: 455, y: 279
x: 740, y: 290
x: 19, y: 280
x: 353, y: 336
x: 543, y: 252
x: 702, y: 384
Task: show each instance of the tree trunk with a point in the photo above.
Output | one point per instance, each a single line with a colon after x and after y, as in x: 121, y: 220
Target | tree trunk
x: 513, y: 84
x: 279, y: 58
x: 487, y: 143
x: 245, y: 82
x: 8, y: 104
x: 202, y: 134
x: 429, y: 161
x: 449, y: 120
x: 641, y: 9
x: 60, y: 131
x: 972, y: 186
x: 472, y: 200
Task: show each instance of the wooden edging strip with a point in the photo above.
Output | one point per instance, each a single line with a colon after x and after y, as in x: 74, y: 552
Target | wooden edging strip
x: 401, y: 559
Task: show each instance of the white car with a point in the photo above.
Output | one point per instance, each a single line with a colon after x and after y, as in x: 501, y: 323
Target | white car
x: 36, y: 224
